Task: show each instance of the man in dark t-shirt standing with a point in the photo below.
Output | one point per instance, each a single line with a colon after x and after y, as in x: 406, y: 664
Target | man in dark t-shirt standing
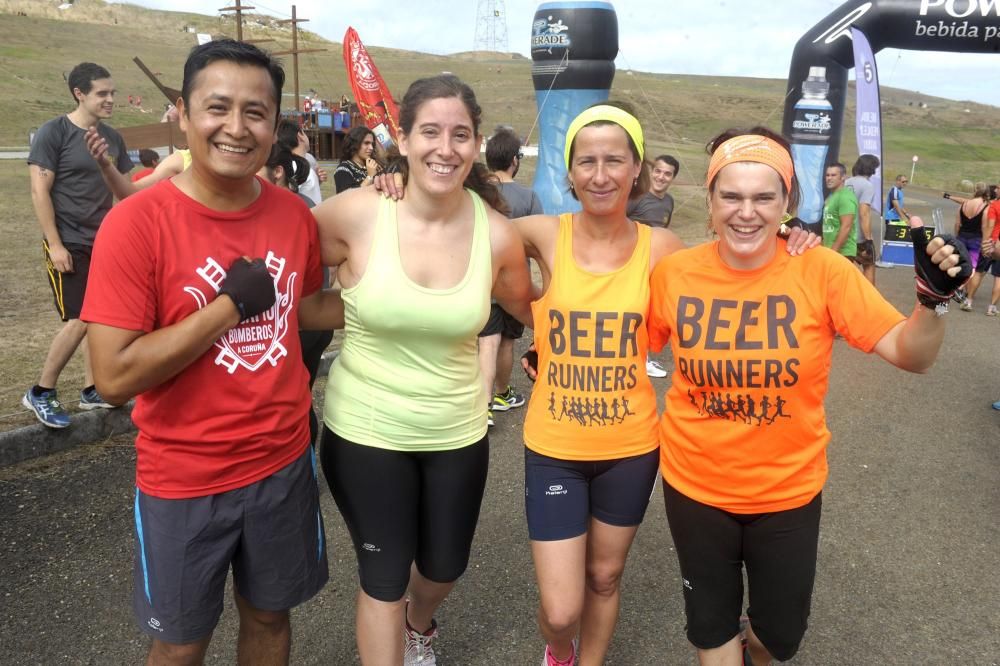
x: 70, y: 201
x: 496, y: 340
x: 656, y: 207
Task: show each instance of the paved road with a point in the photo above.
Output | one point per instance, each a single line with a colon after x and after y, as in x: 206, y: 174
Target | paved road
x: 907, y: 566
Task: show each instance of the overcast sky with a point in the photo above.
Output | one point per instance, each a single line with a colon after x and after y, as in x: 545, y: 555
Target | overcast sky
x: 714, y: 37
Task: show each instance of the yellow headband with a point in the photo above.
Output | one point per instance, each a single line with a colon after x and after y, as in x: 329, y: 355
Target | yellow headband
x: 752, y: 148
x: 607, y: 113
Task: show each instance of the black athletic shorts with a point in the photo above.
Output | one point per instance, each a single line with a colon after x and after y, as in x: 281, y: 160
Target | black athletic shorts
x: 779, y: 551
x: 988, y: 264
x: 403, y: 508
x: 561, y: 496
x: 68, y: 289
x: 270, y: 533
x: 502, y: 323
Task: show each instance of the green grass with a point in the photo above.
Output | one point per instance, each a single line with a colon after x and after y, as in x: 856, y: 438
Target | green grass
x: 679, y: 113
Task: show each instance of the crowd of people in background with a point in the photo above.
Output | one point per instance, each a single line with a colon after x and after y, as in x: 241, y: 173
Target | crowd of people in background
x: 208, y: 302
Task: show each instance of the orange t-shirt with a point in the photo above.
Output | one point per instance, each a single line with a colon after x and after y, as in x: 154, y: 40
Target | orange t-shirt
x: 744, y: 428
x: 592, y: 399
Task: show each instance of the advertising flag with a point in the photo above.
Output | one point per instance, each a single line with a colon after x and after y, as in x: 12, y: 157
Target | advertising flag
x: 869, y: 120
x: 375, y: 103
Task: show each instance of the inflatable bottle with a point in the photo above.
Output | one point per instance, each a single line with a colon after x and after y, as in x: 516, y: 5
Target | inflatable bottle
x: 573, y: 50
x: 811, y: 127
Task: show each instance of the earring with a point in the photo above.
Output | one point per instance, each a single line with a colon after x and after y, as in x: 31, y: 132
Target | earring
x: 635, y: 182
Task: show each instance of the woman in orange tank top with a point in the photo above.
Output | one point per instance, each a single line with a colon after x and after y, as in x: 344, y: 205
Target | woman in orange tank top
x: 590, y: 429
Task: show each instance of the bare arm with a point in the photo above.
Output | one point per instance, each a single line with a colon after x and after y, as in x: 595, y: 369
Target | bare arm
x: 126, y: 363
x: 989, y: 221
x: 512, y: 284
x: 119, y: 183
x: 914, y: 344
x: 900, y: 210
x: 42, y: 180
x: 865, y: 217
x: 322, y: 311
x: 846, y: 225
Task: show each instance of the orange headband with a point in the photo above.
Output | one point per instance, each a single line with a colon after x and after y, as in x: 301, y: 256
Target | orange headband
x: 752, y: 148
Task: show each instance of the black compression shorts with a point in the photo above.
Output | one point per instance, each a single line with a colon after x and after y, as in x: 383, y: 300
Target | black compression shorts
x: 402, y: 507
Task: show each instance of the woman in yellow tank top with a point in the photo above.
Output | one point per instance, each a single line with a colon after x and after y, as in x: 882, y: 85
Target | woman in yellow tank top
x: 405, y: 449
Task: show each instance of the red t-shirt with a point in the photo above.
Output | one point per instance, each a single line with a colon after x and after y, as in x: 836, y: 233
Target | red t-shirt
x: 994, y: 214
x: 142, y: 173
x: 744, y: 428
x: 239, y: 412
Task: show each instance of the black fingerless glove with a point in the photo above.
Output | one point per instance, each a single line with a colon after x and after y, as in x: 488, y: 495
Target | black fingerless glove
x: 531, y: 356
x: 250, y: 286
x: 935, y: 286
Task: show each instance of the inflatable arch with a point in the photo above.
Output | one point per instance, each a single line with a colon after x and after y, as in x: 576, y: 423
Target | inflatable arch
x: 826, y: 52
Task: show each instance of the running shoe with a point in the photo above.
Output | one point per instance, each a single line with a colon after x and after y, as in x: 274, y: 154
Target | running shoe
x: 966, y: 305
x: 47, y: 408
x: 509, y: 399
x: 959, y: 296
x: 654, y: 369
x: 996, y: 405
x: 489, y: 417
x: 991, y: 311
x: 418, y: 650
x: 91, y: 399
x: 549, y: 660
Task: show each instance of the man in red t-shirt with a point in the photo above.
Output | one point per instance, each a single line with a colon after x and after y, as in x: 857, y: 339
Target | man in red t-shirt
x: 206, y: 340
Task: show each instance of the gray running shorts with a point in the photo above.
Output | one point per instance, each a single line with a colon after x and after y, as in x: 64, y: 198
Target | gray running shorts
x: 270, y: 533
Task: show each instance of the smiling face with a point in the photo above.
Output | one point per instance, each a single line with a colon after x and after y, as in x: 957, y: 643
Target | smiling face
x: 746, y: 207
x: 603, y: 169
x: 441, y: 146
x: 230, y: 123
x: 662, y: 176
x: 100, y: 101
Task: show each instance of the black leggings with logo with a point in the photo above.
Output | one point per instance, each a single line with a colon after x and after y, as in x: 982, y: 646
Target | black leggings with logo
x: 405, y: 507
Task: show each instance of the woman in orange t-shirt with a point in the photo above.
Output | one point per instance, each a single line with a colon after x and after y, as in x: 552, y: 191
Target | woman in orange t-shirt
x: 743, y: 438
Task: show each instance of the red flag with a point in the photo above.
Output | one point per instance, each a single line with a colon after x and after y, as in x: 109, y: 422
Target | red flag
x: 370, y: 91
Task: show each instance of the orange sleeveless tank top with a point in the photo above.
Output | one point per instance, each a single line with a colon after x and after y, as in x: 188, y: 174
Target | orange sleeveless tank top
x: 592, y: 399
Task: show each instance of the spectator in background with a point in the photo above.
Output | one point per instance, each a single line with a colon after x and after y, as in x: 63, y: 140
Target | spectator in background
x: 70, y: 201
x: 971, y: 228
x: 839, y: 212
x: 288, y: 171
x: 357, y: 164
x: 149, y: 158
x: 895, y: 212
x: 656, y: 207
x: 291, y: 136
x: 860, y: 183
x: 496, y: 340
x: 989, y: 258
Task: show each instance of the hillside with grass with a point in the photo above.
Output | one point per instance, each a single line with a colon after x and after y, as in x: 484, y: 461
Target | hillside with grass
x: 40, y: 43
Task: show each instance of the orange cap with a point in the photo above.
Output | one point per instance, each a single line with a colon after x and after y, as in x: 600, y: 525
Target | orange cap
x: 752, y: 148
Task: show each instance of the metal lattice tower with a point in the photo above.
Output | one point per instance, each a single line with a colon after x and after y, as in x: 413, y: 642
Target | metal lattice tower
x: 491, y: 26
